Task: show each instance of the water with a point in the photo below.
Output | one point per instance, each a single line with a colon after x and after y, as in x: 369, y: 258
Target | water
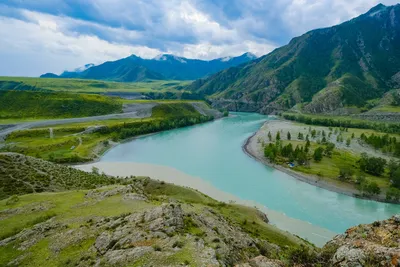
x: 213, y: 152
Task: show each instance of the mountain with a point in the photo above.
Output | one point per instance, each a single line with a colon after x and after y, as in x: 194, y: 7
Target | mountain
x: 323, y: 71
x: 166, y: 66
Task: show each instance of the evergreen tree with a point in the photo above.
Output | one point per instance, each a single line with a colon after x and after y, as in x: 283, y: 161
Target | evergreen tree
x: 348, y: 141
x: 278, y: 136
x: 289, y: 136
x: 269, y: 136
x: 318, y: 153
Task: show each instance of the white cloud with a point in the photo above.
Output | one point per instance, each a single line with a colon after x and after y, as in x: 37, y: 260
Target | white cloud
x: 36, y: 48
x: 111, y: 29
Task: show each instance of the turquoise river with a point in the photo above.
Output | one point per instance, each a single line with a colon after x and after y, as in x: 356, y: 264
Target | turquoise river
x: 213, y: 151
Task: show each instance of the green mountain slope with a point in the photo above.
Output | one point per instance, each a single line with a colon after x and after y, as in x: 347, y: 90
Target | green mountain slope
x: 325, y: 69
x: 46, y: 104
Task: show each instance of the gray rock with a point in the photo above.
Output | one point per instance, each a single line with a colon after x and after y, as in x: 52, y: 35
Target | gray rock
x: 103, y: 242
x: 349, y: 257
x: 397, y: 218
x: 120, y: 256
x: 262, y: 261
x: 133, y: 196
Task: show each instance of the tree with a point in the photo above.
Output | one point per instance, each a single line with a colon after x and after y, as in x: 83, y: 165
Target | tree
x: 95, y: 170
x: 289, y: 136
x: 372, y: 165
x: 323, y: 133
x: 396, y: 178
x: 269, y: 136
x: 329, y: 149
x: 393, y: 166
x: 300, y: 136
x: 278, y: 136
x: 270, y: 152
x: 318, y: 153
x: 352, y: 136
x: 345, y: 173
x: 348, y: 141
x: 393, y: 194
x: 323, y: 141
x: 313, y: 133
x: 361, y: 179
x: 373, y: 189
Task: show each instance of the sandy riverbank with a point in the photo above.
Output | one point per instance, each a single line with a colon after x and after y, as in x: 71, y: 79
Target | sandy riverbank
x: 253, y: 148
x: 317, y: 235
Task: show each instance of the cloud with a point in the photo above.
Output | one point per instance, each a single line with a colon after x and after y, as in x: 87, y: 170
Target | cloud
x: 53, y: 35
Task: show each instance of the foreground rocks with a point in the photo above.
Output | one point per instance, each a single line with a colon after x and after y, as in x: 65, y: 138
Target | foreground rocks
x: 376, y: 244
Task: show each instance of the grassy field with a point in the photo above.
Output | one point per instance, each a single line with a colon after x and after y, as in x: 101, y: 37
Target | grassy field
x: 344, y: 156
x: 74, y: 220
x: 35, y: 105
x: 70, y: 143
x: 87, y: 86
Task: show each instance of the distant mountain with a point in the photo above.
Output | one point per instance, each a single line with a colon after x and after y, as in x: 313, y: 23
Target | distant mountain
x: 323, y: 71
x: 49, y: 75
x: 133, y: 68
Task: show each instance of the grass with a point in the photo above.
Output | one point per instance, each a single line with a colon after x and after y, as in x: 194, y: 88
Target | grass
x: 87, y: 86
x: 387, y: 109
x: 68, y: 145
x: 35, y: 105
x: 76, y: 211
x: 34, y: 175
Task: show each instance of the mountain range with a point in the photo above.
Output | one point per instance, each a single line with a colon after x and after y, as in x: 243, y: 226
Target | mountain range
x: 162, y: 67
x: 328, y: 70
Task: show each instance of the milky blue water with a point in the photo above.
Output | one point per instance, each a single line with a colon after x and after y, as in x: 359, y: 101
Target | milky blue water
x: 213, y: 152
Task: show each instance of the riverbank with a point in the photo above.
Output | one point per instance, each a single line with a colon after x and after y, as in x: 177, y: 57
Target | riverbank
x: 317, y: 235
x: 253, y: 148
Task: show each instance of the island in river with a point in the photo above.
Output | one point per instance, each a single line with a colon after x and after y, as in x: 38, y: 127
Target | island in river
x: 325, y: 173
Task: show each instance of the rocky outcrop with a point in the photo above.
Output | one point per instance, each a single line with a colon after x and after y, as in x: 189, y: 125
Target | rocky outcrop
x: 376, y: 244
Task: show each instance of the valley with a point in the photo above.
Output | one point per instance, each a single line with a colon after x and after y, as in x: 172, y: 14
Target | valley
x: 212, y: 156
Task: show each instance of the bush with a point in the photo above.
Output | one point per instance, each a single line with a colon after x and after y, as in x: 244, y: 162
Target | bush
x: 345, y: 173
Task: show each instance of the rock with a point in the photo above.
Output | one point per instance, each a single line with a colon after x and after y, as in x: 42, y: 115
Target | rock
x: 349, y: 257
x: 262, y: 261
x: 263, y: 216
x: 396, y: 218
x: 118, y: 257
x: 103, y: 242
x: 133, y: 196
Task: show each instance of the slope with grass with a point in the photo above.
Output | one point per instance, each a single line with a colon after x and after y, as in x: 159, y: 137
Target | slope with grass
x: 86, y: 141
x: 327, y: 70
x: 142, y: 222
x: 33, y: 104
x: 135, y: 222
x: 87, y: 86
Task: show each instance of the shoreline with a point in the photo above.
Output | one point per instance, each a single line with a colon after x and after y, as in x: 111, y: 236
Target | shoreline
x: 313, y: 233
x: 250, y: 146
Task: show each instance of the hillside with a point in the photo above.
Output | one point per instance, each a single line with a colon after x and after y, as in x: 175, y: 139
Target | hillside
x: 138, y: 221
x: 41, y: 104
x: 135, y: 221
x: 170, y: 67
x: 323, y: 71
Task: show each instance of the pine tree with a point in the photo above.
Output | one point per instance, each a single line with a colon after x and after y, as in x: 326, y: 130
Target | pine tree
x: 289, y: 136
x: 269, y: 136
x: 278, y: 136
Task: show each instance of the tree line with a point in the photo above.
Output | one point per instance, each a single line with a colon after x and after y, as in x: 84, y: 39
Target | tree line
x: 346, y: 123
x: 385, y: 143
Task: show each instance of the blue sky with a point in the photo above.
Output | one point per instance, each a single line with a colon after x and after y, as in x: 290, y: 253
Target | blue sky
x: 39, y: 36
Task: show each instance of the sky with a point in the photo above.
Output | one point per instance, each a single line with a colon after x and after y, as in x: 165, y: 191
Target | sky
x: 40, y: 36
